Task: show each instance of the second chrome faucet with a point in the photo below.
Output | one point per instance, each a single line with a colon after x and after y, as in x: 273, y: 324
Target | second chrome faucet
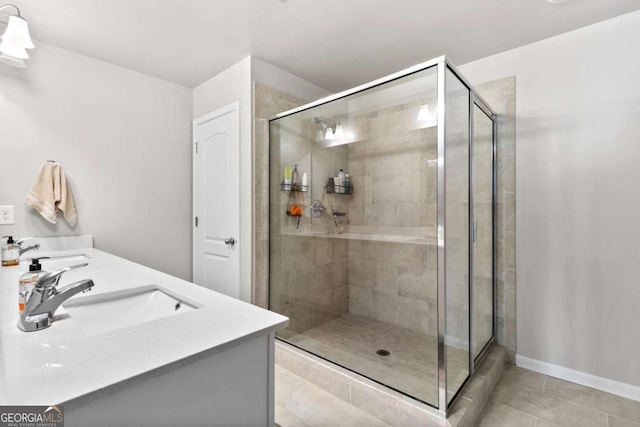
x: 41, y: 302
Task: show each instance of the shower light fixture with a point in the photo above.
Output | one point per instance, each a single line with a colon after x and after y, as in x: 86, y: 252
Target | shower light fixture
x: 323, y: 130
x: 339, y: 134
x: 427, y: 116
x: 329, y: 136
x: 424, y: 113
x: 16, y: 38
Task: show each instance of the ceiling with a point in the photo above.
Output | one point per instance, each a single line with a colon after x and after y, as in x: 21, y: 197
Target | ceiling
x: 335, y: 44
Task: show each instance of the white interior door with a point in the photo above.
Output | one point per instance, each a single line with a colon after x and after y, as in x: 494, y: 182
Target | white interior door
x: 216, y: 200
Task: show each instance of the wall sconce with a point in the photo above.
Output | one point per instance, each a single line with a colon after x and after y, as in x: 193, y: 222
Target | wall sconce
x: 16, y: 38
x: 336, y: 134
x: 329, y: 135
x: 339, y: 133
x: 325, y: 133
x: 427, y: 116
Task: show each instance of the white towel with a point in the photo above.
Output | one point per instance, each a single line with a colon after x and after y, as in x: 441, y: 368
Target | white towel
x: 51, y: 193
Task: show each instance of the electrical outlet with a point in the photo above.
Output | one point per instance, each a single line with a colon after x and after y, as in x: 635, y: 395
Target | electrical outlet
x: 6, y: 215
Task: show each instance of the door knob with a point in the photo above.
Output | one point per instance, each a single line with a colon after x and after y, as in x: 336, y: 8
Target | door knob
x: 230, y: 241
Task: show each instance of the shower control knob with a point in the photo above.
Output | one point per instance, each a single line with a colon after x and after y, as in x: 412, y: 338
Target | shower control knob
x: 230, y: 241
x: 317, y: 209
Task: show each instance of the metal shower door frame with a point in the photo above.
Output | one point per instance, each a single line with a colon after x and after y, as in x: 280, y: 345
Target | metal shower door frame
x: 442, y: 63
x: 474, y: 99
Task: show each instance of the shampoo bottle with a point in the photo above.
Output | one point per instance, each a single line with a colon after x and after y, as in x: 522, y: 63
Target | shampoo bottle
x: 295, y: 179
x: 341, y: 183
x: 28, y: 281
x: 10, y: 253
x: 287, y: 178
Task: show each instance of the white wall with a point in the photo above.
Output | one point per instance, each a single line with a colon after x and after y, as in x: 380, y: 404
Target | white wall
x: 124, y: 141
x: 577, y: 178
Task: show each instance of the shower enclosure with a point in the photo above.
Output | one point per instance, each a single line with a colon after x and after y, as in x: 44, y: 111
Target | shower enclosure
x: 381, y: 230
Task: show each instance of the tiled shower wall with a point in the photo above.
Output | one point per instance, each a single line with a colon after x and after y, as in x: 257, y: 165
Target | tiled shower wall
x: 393, y: 171
x: 394, y: 283
x: 308, y: 280
x: 267, y: 102
x: 308, y: 273
x: 398, y: 282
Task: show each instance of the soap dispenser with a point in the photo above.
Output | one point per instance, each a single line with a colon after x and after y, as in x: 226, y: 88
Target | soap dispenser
x: 10, y: 253
x: 28, y: 281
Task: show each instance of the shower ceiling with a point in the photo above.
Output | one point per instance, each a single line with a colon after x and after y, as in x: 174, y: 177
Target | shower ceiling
x: 336, y: 46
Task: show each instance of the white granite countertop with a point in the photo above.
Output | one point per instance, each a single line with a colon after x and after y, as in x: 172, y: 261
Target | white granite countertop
x: 61, y: 363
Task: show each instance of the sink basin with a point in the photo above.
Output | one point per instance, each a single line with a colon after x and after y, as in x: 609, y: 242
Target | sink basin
x: 106, y: 312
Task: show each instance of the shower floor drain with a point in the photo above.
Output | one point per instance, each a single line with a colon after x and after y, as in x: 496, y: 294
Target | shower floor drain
x: 383, y: 352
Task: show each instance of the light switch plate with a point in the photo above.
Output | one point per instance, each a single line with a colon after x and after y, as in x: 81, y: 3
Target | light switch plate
x: 6, y: 215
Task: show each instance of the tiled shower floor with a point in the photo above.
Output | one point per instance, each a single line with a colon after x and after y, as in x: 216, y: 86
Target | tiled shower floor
x: 411, y: 367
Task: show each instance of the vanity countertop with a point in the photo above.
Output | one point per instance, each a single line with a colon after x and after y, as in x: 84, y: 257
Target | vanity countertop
x: 61, y: 363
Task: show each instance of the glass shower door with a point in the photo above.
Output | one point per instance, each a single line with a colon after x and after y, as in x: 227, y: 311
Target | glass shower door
x: 355, y: 267
x: 482, y: 229
x: 391, y: 275
x: 456, y: 192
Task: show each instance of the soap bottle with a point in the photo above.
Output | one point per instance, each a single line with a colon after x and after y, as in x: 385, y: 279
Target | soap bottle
x: 28, y: 281
x: 347, y: 183
x: 10, y: 253
x: 305, y: 181
x: 294, y: 177
x: 287, y: 178
x: 341, y: 181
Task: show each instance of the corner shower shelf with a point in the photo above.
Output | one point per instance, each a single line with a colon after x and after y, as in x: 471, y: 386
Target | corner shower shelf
x: 294, y: 187
x: 339, y: 189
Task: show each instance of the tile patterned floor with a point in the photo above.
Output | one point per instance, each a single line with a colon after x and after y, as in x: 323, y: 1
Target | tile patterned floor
x: 521, y: 398
x: 352, y: 341
x: 525, y: 398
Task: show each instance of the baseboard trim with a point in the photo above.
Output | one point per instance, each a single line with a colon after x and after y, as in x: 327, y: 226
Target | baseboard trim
x: 629, y: 391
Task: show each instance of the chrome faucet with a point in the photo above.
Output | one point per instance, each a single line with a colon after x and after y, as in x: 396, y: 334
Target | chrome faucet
x: 28, y: 248
x: 45, y: 298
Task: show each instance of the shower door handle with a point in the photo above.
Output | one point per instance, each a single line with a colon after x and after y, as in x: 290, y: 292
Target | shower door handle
x: 474, y: 229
